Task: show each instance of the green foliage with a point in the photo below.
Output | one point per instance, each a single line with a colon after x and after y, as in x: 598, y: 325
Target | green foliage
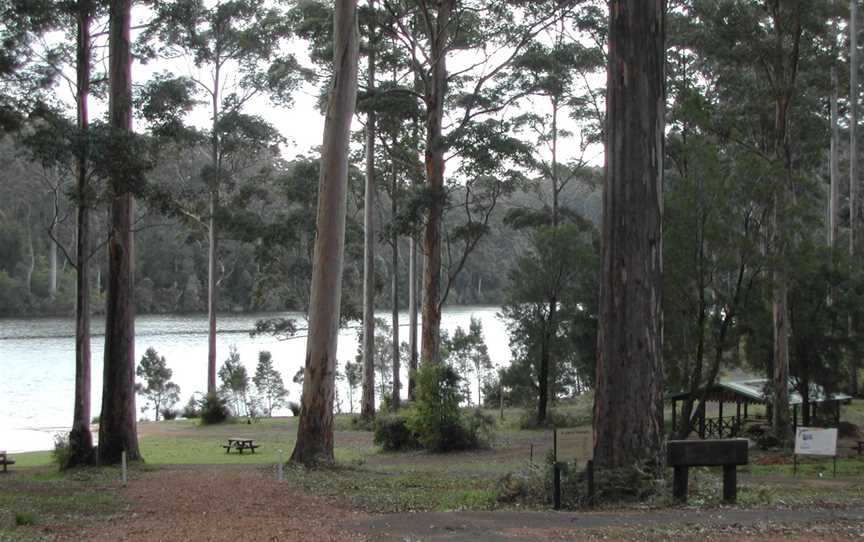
x: 192, y: 409
x: 268, y: 382
x: 25, y: 519
x: 552, y: 308
x: 158, y: 389
x: 62, y: 453
x: 467, y: 353
x: 235, y: 383
x: 213, y: 409
x: 437, y: 421
x: 392, y: 432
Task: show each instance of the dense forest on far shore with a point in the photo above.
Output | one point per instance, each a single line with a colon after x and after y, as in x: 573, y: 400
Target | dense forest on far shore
x: 36, y: 278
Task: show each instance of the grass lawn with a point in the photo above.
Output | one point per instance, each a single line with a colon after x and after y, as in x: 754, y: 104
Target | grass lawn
x: 369, y: 479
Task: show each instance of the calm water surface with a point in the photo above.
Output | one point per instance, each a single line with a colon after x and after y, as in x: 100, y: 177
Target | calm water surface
x: 37, y: 362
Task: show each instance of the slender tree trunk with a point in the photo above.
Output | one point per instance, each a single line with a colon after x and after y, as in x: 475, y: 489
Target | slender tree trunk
x: 434, y: 160
x: 118, y: 429
x: 31, y: 253
x: 80, y: 438
x: 367, y: 403
x: 853, y: 162
x: 315, y: 429
x: 628, y: 405
x: 412, y: 317
x: 212, y: 235
x: 834, y: 197
x: 397, y: 383
x: 52, y: 265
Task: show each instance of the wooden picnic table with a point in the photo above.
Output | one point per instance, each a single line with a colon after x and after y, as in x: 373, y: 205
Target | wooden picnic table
x: 4, y: 460
x: 240, y: 444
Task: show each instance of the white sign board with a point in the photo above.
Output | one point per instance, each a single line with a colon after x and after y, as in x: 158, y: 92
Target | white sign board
x: 816, y: 441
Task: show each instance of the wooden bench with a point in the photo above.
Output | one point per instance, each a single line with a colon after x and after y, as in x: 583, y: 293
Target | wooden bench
x: 4, y: 460
x: 240, y: 444
x: 859, y: 447
x: 726, y: 453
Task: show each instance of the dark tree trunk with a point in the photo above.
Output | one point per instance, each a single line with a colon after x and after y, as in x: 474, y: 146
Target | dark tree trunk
x: 434, y: 161
x: 367, y: 402
x: 80, y: 438
x: 397, y: 383
x: 412, y: 317
x: 315, y: 428
x: 118, y: 430
x: 628, y: 409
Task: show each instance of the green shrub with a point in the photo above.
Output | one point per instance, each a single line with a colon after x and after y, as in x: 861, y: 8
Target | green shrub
x: 61, y: 452
x: 25, y: 518
x: 213, y: 409
x: 169, y: 413
x: 392, y: 433
x: 294, y: 407
x: 192, y: 409
x: 437, y: 421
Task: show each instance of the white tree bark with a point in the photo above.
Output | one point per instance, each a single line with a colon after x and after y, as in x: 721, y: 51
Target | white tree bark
x: 315, y: 429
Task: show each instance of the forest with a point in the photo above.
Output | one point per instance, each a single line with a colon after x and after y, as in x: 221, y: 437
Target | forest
x: 462, y: 163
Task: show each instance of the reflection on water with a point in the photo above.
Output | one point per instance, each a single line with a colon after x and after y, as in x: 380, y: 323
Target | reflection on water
x: 37, y: 362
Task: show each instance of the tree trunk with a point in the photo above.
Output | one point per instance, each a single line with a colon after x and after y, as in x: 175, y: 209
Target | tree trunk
x: 628, y: 405
x: 315, y: 428
x: 211, y: 296
x: 52, y: 265
x: 412, y: 317
x: 31, y: 253
x: 397, y: 383
x: 367, y: 403
x: 118, y: 427
x: 434, y: 159
x: 853, y: 162
x: 784, y: 74
x: 834, y: 195
x: 212, y: 237
x: 80, y: 438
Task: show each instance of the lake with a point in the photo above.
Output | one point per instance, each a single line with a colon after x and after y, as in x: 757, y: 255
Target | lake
x: 37, y: 362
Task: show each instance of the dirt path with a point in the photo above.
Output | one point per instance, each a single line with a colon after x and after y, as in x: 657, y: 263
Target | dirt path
x: 232, y: 502
x: 726, y: 525
x: 225, y: 502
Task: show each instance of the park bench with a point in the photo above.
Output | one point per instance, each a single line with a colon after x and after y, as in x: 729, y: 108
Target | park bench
x: 4, y: 460
x: 726, y: 453
x: 859, y: 447
x: 240, y: 444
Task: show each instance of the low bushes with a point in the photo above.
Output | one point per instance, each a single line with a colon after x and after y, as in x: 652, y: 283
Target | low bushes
x: 213, y: 409
x: 435, y: 422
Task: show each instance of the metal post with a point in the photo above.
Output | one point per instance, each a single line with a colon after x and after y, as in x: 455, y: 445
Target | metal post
x: 555, y: 444
x: 280, y: 467
x: 730, y: 483
x: 531, y: 457
x: 720, y: 419
x: 590, y: 475
x: 123, y: 461
x: 679, y: 483
x: 556, y: 486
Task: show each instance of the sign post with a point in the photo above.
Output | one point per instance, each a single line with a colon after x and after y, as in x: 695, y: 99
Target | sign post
x: 817, y: 441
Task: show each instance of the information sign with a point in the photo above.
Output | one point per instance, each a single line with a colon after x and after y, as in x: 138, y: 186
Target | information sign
x: 574, y: 444
x: 816, y: 441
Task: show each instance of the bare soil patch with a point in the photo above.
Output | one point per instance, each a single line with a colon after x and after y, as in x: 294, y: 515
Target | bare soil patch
x: 224, y: 502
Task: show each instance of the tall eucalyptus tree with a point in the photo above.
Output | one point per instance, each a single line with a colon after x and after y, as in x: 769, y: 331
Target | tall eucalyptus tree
x: 315, y: 429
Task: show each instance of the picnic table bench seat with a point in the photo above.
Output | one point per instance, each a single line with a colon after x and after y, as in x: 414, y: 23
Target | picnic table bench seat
x: 240, y: 444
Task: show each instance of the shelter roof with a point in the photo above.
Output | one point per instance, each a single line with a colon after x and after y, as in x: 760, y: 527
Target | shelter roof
x: 757, y: 390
